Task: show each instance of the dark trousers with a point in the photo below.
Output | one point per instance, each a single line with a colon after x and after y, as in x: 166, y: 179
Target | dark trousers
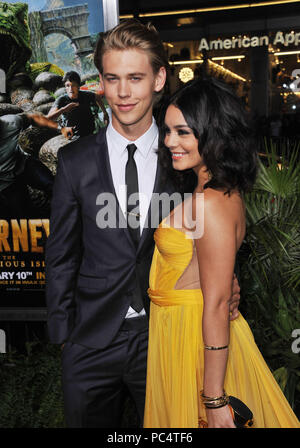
x: 95, y: 381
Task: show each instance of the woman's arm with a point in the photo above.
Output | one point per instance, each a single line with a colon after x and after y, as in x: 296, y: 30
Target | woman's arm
x: 216, y: 251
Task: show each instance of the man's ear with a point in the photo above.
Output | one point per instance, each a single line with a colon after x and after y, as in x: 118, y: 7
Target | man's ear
x: 101, y: 81
x: 160, y: 79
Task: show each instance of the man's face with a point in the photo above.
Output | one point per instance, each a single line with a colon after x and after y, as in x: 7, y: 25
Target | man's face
x: 72, y: 89
x: 129, y: 83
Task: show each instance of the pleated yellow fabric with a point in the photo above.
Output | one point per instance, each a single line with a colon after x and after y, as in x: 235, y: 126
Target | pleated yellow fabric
x: 176, y: 352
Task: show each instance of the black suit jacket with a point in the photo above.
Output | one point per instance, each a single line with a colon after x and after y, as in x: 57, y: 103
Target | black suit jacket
x: 91, y: 272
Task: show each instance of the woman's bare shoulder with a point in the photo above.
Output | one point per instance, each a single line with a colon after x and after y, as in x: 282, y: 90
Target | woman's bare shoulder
x: 217, y: 204
x: 220, y: 198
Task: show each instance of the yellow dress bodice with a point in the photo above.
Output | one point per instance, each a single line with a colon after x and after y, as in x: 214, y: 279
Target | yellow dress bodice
x: 173, y: 253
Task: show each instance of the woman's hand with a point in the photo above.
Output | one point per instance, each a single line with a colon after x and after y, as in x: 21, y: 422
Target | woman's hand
x: 219, y: 418
x: 235, y: 299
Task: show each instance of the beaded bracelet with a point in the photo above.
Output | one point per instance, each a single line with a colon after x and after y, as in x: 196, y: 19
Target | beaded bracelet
x: 212, y: 347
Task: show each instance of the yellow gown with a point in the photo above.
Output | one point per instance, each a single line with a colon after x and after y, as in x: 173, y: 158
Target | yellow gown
x: 176, y: 353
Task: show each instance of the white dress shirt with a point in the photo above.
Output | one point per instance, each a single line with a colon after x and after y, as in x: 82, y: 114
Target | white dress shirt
x: 146, y: 161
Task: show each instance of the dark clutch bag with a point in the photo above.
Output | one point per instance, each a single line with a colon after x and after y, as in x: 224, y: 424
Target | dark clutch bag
x: 241, y: 414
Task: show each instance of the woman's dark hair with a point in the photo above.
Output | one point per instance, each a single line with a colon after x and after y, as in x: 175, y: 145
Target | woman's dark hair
x: 225, y: 138
x: 72, y: 76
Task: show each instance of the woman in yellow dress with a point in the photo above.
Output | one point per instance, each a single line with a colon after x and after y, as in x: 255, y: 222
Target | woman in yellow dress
x: 197, y: 354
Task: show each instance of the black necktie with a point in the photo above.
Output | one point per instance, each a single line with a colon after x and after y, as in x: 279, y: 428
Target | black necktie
x: 133, y: 218
x: 131, y: 179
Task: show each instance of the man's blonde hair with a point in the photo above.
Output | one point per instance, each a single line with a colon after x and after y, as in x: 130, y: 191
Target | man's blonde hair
x: 132, y: 34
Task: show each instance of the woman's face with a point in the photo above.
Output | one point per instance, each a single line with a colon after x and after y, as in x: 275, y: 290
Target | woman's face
x: 181, y: 141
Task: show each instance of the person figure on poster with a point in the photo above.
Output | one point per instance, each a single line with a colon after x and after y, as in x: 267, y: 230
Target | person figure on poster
x: 197, y: 356
x: 77, y: 109
x: 19, y: 169
x: 98, y: 275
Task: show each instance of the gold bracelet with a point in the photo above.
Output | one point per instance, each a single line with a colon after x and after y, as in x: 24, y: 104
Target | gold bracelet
x: 205, y: 397
x: 212, y: 347
x: 215, y: 402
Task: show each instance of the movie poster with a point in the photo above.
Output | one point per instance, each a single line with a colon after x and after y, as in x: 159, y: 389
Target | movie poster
x: 41, y: 40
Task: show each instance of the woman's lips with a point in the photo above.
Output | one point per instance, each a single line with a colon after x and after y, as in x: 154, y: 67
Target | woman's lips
x: 178, y: 155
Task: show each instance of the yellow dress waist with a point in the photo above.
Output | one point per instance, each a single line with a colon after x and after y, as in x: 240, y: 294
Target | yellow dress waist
x: 172, y: 297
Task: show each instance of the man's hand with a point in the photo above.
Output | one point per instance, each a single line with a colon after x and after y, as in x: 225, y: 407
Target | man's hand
x: 70, y: 107
x: 235, y: 299
x: 67, y: 132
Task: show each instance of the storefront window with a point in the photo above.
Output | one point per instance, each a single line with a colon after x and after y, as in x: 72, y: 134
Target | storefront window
x: 263, y: 68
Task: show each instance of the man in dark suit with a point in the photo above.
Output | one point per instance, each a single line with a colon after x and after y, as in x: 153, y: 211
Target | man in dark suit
x: 97, y: 275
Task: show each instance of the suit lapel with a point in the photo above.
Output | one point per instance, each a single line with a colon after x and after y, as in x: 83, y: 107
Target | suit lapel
x: 106, y: 180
